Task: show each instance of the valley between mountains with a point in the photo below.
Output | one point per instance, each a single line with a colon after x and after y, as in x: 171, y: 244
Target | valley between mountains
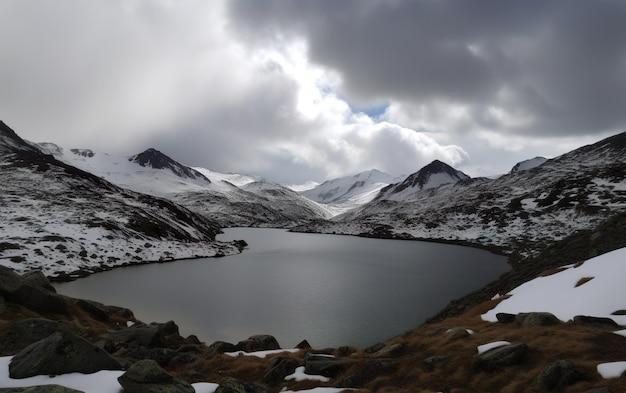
x: 67, y: 212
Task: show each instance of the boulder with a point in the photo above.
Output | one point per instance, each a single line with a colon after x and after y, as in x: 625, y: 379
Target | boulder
x: 435, y: 360
x: 537, y: 319
x: 61, y: 353
x: 24, y: 332
x: 95, y: 309
x: 146, y: 376
x: 232, y: 385
x: 220, y: 347
x: 558, y: 375
x: 504, y: 356
x: 280, y: 368
x: 457, y: 333
x: 17, y: 289
x: 261, y: 342
x: 504, y: 317
x: 3, y: 306
x: 393, y: 350
x: 599, y: 322
x: 41, y: 389
x: 160, y: 355
x: 158, y: 335
x: 374, y: 348
x: 304, y: 344
x: 325, y: 365
x: 38, y: 279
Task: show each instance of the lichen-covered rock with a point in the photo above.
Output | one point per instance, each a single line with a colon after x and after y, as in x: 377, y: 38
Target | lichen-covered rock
x: 392, y: 351
x: 504, y: 317
x: 558, y: 375
x: 504, y: 356
x: 61, y: 353
x: 17, y: 289
x: 279, y: 369
x: 325, y: 365
x: 232, y: 385
x: 24, y: 332
x: 261, y: 342
x: 146, y: 376
x: 537, y: 319
x: 600, y: 322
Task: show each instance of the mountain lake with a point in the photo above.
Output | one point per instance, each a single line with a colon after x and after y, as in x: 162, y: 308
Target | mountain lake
x: 331, y: 290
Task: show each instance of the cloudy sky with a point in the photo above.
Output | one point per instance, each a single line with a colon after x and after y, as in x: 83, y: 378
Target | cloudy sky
x: 309, y: 90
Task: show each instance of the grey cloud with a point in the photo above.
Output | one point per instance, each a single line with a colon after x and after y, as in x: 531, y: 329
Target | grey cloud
x: 562, y: 61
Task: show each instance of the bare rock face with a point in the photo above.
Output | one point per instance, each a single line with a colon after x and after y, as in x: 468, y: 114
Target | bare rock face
x: 146, y: 376
x: 61, y: 353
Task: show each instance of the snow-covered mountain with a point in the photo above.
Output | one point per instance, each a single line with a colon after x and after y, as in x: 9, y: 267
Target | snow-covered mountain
x: 229, y: 199
x: 349, y: 188
x: 63, y: 220
x: 432, y: 175
x: 520, y: 212
x: 528, y: 164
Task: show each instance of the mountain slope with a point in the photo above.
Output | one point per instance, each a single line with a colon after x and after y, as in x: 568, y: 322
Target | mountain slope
x: 228, y: 199
x: 431, y: 176
x: 528, y: 164
x: 348, y: 188
x: 520, y: 213
x: 63, y: 220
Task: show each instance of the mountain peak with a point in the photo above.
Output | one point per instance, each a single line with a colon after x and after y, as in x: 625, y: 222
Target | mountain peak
x: 528, y: 164
x: 430, y: 176
x: 153, y: 158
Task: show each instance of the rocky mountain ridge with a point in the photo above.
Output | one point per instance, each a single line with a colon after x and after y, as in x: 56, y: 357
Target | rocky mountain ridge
x: 521, y: 212
x: 68, y: 222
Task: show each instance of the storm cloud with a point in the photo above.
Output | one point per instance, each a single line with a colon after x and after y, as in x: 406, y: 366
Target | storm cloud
x: 299, y: 90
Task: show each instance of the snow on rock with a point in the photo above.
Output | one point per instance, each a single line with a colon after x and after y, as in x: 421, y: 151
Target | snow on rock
x: 300, y: 375
x: 528, y: 164
x: 260, y: 354
x: 560, y: 295
x: 611, y: 370
x: 486, y: 347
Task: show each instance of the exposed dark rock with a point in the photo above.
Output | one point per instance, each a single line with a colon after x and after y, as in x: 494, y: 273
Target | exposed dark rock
x: 146, y: 376
x: 504, y: 317
x: 392, y: 351
x: 25, y: 332
x: 280, y: 368
x: 38, y: 279
x: 220, y: 347
x: 537, y: 319
x: 375, y: 348
x: 595, y: 321
x: 558, y: 375
x: 17, y: 289
x: 261, y: 342
x: 504, y: 356
x: 41, y: 389
x: 325, y: 365
x: 435, y: 360
x: 95, y: 309
x: 619, y: 312
x: 61, y: 353
x: 232, y: 385
x: 3, y: 306
x: 598, y: 390
x: 160, y: 355
x: 304, y: 344
x: 159, y: 335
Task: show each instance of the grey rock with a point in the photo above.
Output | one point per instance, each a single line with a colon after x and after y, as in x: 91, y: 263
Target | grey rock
x: 146, y: 376
x: 232, y: 385
x: 61, y: 353
x: 435, y: 360
x: 280, y: 368
x: 504, y: 317
x: 558, y: 375
x: 325, y: 365
x: 618, y: 312
x: 393, y: 351
x: 153, y: 335
x: 304, y: 344
x: 15, y: 288
x: 41, y: 389
x: 160, y: 355
x: 261, y: 342
x: 220, y: 347
x: 38, y: 279
x: 24, y: 332
x: 457, y: 333
x: 504, y: 356
x: 599, y: 322
x: 537, y: 319
x: 374, y: 348
x: 3, y: 306
x: 373, y: 368
x: 95, y: 309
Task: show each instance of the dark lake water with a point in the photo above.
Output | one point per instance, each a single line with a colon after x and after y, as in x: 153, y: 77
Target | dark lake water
x: 330, y: 290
